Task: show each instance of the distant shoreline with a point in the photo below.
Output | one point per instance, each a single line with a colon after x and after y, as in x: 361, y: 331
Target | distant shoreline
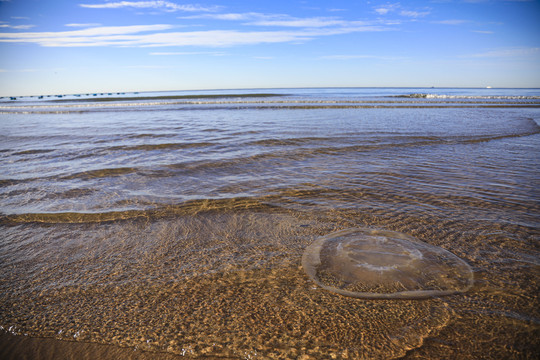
x: 101, y: 93
x: 167, y: 97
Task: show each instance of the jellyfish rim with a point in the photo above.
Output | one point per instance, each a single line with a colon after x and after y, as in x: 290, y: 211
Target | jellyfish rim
x: 311, y: 260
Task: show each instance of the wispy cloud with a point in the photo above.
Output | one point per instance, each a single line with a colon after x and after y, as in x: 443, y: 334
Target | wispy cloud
x: 155, y: 35
x: 282, y: 20
x: 296, y: 22
x: 16, y: 27
x: 226, y: 16
x: 414, y: 14
x: 83, y: 25
x: 86, y: 37
x: 158, y: 4
x: 309, y: 22
x: 187, y: 53
x: 399, y: 9
x: 360, y: 56
x: 287, y: 29
x: 232, y: 16
x: 450, y: 22
x: 385, y: 9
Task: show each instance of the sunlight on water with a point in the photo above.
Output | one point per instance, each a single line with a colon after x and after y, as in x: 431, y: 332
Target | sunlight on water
x: 177, y: 225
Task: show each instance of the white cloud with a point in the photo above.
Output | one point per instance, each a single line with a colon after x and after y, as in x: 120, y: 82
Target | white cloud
x: 86, y: 37
x: 153, y: 36
x: 282, y: 20
x: 414, y: 14
x: 184, y: 53
x: 292, y: 29
x: 228, y: 16
x: 385, y: 9
x: 292, y: 22
x: 158, y: 4
x: 83, y: 25
x: 93, y: 31
x: 391, y: 8
x: 16, y: 27
x: 220, y: 38
x: 451, y: 22
x: 305, y: 23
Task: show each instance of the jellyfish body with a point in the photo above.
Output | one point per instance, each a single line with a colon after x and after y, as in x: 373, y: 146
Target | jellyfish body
x: 380, y: 264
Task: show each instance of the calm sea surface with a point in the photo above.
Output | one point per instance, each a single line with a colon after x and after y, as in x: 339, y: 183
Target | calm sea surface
x: 175, y: 223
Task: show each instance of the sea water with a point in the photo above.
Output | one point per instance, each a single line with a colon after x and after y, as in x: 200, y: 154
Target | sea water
x: 175, y: 222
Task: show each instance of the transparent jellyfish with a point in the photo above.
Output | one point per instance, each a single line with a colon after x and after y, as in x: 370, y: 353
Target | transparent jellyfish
x: 380, y: 264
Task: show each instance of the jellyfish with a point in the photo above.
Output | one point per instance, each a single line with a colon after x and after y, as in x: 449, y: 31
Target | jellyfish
x: 380, y: 264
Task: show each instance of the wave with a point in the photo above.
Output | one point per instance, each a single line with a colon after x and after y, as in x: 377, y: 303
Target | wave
x: 101, y: 173
x: 288, y: 141
x: 188, y: 208
x: 32, y: 152
x: 168, y: 97
x: 487, y: 97
x: 277, y: 150
x: 270, y: 149
x: 99, y: 151
x: 11, y: 182
x: 450, y: 101
x: 379, y: 187
x: 295, y: 107
x: 427, y: 141
x: 148, y: 135
x: 527, y: 128
x: 165, y: 146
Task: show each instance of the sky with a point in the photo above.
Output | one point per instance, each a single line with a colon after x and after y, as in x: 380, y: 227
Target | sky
x: 79, y: 46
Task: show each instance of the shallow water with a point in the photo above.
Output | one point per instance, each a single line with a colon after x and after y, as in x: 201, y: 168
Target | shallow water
x: 177, y: 225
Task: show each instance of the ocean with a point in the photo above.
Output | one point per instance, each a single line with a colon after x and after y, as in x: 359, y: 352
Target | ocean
x: 167, y: 225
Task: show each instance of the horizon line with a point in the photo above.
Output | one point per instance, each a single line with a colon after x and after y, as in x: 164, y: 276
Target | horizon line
x: 116, y: 92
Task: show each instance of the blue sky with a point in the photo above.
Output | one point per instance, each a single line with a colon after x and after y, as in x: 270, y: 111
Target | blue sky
x: 77, y: 46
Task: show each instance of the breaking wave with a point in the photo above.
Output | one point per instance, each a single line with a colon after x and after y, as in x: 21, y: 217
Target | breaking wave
x: 485, y: 97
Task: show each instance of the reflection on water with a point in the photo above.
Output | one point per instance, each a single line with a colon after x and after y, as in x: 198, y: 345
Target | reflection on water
x: 178, y: 226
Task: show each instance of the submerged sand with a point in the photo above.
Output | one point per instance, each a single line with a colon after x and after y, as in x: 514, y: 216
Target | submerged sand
x: 264, y: 306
